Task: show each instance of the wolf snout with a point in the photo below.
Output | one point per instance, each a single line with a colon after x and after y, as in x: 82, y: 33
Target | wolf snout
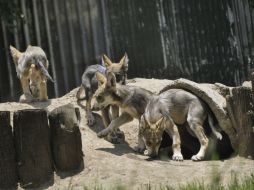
x: 151, y: 154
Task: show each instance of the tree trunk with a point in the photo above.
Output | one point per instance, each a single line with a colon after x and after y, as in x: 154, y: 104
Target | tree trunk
x: 31, y: 133
x: 8, y: 172
x: 239, y: 104
x: 66, y: 139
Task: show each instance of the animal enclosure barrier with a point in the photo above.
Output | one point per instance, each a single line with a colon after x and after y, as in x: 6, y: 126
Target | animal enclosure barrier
x: 29, y: 153
x: 204, y: 41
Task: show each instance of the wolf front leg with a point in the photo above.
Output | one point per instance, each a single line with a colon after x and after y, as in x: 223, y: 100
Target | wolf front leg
x: 140, y: 148
x: 43, y: 91
x: 115, y: 114
x: 172, y: 131
x: 115, y: 124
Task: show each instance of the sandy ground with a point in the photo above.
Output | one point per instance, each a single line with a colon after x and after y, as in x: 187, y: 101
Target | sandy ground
x: 108, y: 165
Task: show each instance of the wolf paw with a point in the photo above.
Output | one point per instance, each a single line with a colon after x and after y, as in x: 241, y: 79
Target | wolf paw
x: 177, y: 157
x: 139, y: 149
x: 197, y: 158
x: 90, y: 119
x: 119, y: 134
x: 102, y: 133
x: 26, y: 98
x: 113, y: 139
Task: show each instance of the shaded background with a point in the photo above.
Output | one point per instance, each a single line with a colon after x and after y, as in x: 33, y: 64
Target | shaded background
x: 202, y: 40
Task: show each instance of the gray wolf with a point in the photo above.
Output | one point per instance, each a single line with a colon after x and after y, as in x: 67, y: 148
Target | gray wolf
x: 90, y: 85
x: 32, y: 70
x: 164, y: 112
x: 132, y: 101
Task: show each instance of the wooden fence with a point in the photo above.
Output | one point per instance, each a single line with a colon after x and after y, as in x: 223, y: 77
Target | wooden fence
x: 205, y: 41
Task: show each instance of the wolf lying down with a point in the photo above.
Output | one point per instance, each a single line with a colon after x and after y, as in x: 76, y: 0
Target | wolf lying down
x: 157, y: 113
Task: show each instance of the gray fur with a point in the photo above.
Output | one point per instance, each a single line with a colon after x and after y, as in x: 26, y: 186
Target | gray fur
x: 173, y: 107
x: 33, y: 55
x: 131, y: 100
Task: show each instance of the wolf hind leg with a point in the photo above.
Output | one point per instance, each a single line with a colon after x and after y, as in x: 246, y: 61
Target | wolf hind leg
x: 27, y: 96
x: 198, y: 130
x: 43, y: 91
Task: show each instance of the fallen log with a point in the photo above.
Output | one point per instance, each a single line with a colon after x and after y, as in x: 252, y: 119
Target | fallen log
x: 231, y: 107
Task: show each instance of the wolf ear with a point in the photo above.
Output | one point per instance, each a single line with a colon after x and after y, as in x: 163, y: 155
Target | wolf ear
x: 125, y: 60
x: 142, y: 122
x: 111, y: 79
x: 100, y: 78
x: 16, y: 54
x: 106, y: 61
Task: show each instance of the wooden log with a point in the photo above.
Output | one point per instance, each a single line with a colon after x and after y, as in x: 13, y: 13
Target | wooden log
x: 31, y: 135
x: 8, y: 172
x: 66, y: 139
x: 240, y: 111
x: 252, y: 85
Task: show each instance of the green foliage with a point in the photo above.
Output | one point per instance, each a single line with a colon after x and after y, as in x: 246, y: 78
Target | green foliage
x: 235, y: 184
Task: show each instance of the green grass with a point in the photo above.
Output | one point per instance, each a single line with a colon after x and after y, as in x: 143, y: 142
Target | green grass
x: 235, y: 184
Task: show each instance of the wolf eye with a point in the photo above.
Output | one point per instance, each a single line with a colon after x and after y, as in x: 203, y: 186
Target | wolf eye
x: 100, y: 98
x: 149, y: 143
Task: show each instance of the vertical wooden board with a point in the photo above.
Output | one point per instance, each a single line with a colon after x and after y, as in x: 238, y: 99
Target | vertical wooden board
x: 8, y: 177
x: 84, y: 50
x: 97, y: 29
x: 75, y: 27
x: 48, y: 40
x: 32, y: 143
x: 4, y: 84
x: 54, y: 47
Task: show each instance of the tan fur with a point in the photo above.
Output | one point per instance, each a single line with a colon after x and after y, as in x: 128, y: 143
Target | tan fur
x: 33, y: 81
x: 131, y: 100
x: 115, y: 67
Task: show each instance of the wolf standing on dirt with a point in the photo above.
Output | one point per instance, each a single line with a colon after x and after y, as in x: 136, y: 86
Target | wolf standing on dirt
x: 90, y: 85
x: 132, y: 100
x: 164, y: 111
x: 31, y: 67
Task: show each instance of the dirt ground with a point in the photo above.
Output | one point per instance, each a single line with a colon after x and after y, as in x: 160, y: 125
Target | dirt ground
x: 108, y: 165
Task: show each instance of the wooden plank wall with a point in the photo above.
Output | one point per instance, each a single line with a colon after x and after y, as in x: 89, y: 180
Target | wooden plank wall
x: 70, y: 32
x: 205, y: 41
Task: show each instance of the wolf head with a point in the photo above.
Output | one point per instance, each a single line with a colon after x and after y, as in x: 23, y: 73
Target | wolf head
x: 34, y: 58
x: 106, y: 93
x: 116, y: 68
x: 151, y: 133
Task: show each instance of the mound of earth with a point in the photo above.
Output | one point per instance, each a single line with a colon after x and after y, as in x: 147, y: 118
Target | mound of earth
x: 108, y: 165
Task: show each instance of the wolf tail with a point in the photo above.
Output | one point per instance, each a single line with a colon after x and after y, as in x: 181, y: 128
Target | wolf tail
x: 214, y: 127
x: 45, y: 71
